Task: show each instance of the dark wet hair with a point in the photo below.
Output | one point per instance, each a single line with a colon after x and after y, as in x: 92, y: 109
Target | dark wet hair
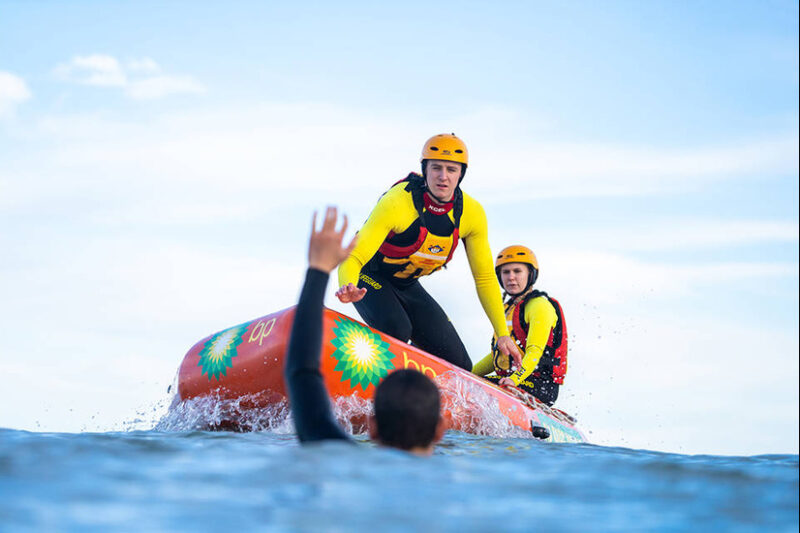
x: 406, y: 410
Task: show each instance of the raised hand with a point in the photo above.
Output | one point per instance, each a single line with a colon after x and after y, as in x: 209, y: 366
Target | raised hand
x: 325, y: 250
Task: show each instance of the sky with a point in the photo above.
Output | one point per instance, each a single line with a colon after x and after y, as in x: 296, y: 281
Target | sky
x: 159, y: 164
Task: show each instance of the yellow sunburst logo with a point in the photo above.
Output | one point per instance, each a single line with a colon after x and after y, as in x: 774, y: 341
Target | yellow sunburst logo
x: 363, y: 358
x: 219, y: 350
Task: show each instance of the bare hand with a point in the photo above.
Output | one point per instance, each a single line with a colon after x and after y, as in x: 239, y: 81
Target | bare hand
x: 506, y: 383
x: 508, y: 347
x: 325, y: 250
x: 350, y: 293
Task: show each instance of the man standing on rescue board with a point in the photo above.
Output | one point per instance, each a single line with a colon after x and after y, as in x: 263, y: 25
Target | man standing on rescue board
x: 413, y: 232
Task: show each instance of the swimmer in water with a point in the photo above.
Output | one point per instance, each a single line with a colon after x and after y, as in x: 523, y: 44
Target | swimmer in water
x: 407, y: 412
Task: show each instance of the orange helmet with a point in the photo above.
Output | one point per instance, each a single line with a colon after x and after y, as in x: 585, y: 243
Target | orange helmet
x: 447, y: 147
x: 516, y: 253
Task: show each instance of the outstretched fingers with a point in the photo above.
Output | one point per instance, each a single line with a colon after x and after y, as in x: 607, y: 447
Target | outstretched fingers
x: 344, y: 227
x: 330, y: 219
x: 325, y: 250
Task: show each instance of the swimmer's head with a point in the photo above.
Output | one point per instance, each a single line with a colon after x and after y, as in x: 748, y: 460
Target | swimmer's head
x: 407, y: 412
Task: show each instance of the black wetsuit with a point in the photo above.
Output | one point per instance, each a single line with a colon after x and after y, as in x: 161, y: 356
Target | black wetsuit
x: 408, y: 236
x: 408, y: 312
x: 543, y: 388
x: 308, y: 397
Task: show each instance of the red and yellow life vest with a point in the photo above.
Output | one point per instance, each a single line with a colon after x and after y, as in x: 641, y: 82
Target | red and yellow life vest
x: 417, y: 251
x: 553, y: 363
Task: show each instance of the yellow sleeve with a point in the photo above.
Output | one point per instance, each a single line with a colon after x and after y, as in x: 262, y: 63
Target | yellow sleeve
x: 484, y: 367
x: 394, y: 212
x: 476, y: 241
x: 542, y: 318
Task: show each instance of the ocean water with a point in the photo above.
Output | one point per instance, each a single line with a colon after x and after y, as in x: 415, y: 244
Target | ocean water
x: 186, y: 480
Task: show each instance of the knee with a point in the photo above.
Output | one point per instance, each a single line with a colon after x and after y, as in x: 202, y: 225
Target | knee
x: 394, y: 324
x: 464, y: 362
x: 399, y: 329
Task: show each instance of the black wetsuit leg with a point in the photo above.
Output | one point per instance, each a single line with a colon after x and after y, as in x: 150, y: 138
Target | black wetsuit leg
x: 542, y: 389
x: 381, y: 308
x: 308, y: 397
x: 432, y: 330
x: 410, y: 313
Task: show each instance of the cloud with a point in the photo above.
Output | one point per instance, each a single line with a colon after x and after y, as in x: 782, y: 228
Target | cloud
x: 140, y: 79
x: 145, y: 65
x: 687, y: 234
x: 665, y: 234
x: 601, y: 276
x: 546, y: 170
x: 161, y: 86
x: 13, y: 91
x: 342, y: 148
x: 97, y: 69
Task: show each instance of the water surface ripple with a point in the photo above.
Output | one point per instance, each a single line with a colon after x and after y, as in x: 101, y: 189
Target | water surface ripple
x: 223, y: 481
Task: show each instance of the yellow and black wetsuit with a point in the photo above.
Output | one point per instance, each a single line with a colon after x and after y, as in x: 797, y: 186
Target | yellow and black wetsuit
x: 541, y: 319
x: 406, y: 237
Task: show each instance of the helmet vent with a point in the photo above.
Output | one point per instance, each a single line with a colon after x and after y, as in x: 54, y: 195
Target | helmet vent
x: 434, y: 148
x: 459, y: 151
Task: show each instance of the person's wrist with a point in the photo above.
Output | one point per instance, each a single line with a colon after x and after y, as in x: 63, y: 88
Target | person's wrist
x: 319, y: 268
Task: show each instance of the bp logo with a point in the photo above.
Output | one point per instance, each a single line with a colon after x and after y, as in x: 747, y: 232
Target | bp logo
x: 362, y: 356
x: 216, y: 355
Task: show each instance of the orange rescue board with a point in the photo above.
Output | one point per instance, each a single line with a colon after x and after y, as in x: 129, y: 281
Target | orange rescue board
x: 247, y: 361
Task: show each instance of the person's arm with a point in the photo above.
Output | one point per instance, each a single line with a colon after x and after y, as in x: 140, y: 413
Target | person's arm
x: 542, y: 318
x: 484, y: 367
x: 308, y: 397
x: 393, y: 212
x: 479, y: 255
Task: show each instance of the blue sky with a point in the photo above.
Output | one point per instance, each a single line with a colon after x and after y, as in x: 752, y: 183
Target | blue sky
x: 159, y: 163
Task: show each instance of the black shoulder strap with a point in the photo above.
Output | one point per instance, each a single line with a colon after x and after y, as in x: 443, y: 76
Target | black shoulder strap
x: 416, y: 186
x: 458, y: 207
x: 535, y: 293
x: 559, y: 329
x: 558, y: 334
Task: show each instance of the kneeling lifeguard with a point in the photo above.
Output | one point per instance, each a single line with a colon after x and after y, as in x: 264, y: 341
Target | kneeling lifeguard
x: 537, y: 326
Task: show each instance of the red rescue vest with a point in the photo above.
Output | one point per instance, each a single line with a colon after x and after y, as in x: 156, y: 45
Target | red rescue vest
x: 553, y: 363
x: 415, y: 184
